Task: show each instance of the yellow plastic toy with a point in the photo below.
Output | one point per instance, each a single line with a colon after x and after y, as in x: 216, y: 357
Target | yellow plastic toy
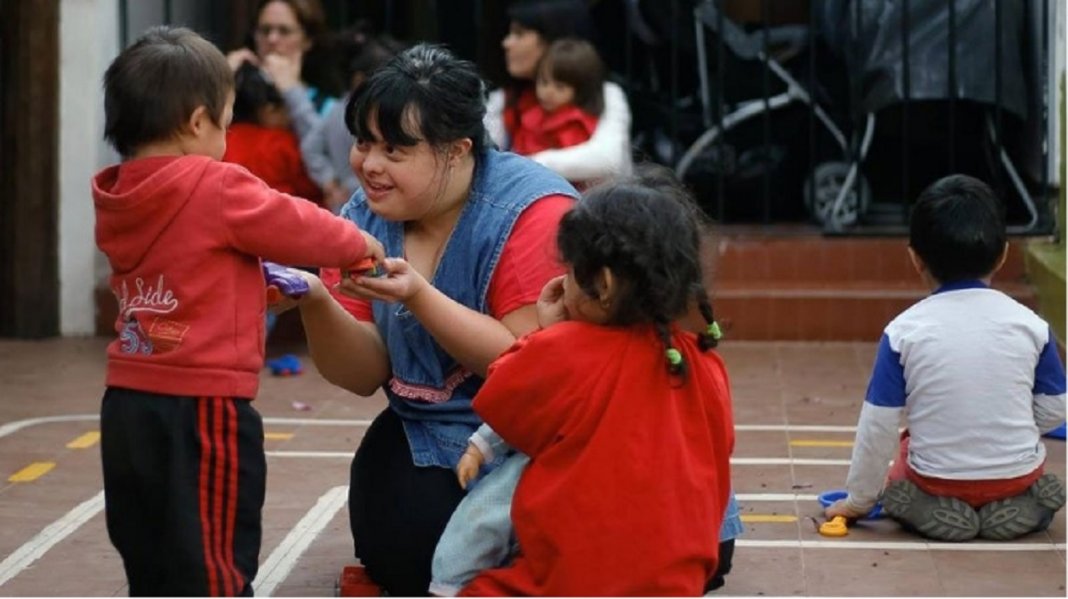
x: 835, y: 527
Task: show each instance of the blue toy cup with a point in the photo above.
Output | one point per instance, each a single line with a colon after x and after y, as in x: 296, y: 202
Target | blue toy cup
x: 828, y: 497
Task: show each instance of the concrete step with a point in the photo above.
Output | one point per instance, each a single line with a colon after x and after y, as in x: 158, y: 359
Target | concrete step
x: 844, y: 311
x: 791, y: 283
x: 825, y: 260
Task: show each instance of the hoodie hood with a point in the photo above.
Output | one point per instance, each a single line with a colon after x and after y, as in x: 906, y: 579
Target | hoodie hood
x: 132, y: 213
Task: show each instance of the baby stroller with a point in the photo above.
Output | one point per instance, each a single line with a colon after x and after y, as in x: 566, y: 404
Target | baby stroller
x: 828, y: 179
x: 878, y: 40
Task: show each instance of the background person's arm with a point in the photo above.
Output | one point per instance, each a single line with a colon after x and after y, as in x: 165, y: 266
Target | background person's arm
x: 606, y: 153
x: 494, y: 119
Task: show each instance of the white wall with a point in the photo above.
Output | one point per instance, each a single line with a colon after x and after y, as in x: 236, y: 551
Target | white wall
x: 88, y: 42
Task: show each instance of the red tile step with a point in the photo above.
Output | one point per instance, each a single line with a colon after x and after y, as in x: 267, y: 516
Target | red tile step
x: 796, y: 285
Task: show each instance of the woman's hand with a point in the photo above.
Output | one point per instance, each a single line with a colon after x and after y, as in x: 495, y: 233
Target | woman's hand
x: 284, y: 71
x: 241, y: 55
x: 470, y: 462
x: 399, y: 283
x: 550, y: 306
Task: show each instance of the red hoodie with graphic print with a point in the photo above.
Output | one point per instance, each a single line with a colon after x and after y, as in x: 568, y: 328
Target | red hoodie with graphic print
x: 184, y: 236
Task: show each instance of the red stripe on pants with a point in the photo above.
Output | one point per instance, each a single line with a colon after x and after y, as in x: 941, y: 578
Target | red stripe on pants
x: 218, y: 494
x: 205, y: 497
x: 231, y: 503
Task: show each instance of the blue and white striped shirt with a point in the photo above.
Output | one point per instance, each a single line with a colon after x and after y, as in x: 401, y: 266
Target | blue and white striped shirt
x: 976, y: 377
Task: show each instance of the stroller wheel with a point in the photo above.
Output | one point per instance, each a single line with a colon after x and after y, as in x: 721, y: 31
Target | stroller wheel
x: 827, y: 181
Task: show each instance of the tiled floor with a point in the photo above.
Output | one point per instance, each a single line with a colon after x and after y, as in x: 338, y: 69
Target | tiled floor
x: 795, y: 405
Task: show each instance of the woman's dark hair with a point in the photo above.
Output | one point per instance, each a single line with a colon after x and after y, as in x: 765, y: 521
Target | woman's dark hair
x: 576, y: 63
x: 554, y: 19
x: 647, y: 231
x: 444, y: 93
x: 253, y: 91
x: 152, y: 88
x: 957, y: 228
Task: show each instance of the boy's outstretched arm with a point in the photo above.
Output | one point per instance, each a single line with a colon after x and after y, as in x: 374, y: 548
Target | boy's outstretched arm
x: 877, y: 439
x: 263, y: 222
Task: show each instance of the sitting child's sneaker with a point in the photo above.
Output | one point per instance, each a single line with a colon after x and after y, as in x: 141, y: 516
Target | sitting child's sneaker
x: 939, y: 518
x: 1048, y: 491
x: 1010, y: 518
x: 1007, y: 519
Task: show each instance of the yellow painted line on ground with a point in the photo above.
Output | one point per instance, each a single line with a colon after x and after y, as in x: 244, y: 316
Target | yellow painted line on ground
x: 783, y: 518
x: 278, y: 436
x: 819, y: 443
x: 85, y: 441
x: 31, y: 472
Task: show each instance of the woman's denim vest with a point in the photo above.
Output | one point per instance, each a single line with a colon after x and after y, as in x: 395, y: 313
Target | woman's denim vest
x: 429, y: 390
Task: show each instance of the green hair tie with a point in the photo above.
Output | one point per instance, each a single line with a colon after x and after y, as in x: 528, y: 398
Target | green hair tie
x: 673, y: 356
x: 713, y: 330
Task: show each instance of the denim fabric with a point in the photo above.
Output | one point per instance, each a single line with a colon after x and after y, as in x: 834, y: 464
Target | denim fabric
x: 479, y: 535
x: 732, y: 521
x: 429, y: 390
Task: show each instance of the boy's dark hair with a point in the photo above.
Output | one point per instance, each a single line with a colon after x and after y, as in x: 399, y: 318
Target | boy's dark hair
x: 253, y: 91
x: 647, y: 231
x: 152, y: 87
x: 576, y: 63
x: 443, y: 92
x: 957, y: 228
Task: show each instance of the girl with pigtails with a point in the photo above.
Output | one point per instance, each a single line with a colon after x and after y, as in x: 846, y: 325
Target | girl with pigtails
x: 621, y: 419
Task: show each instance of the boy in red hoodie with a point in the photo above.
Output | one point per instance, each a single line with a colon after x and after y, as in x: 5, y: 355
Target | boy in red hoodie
x: 182, y: 447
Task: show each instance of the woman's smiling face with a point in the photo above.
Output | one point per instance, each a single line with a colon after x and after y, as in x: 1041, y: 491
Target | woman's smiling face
x: 401, y: 183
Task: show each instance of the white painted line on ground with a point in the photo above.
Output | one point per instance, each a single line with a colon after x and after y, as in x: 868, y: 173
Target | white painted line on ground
x: 12, y: 427
x: 900, y: 545
x: 55, y: 532
x: 18, y: 425
x: 285, y: 556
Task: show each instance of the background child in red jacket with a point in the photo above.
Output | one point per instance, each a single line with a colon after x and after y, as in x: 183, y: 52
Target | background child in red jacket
x: 181, y: 445
x: 570, y: 91
x: 260, y: 138
x: 624, y: 416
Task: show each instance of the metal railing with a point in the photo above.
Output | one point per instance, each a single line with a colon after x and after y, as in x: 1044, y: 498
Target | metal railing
x: 869, y: 145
